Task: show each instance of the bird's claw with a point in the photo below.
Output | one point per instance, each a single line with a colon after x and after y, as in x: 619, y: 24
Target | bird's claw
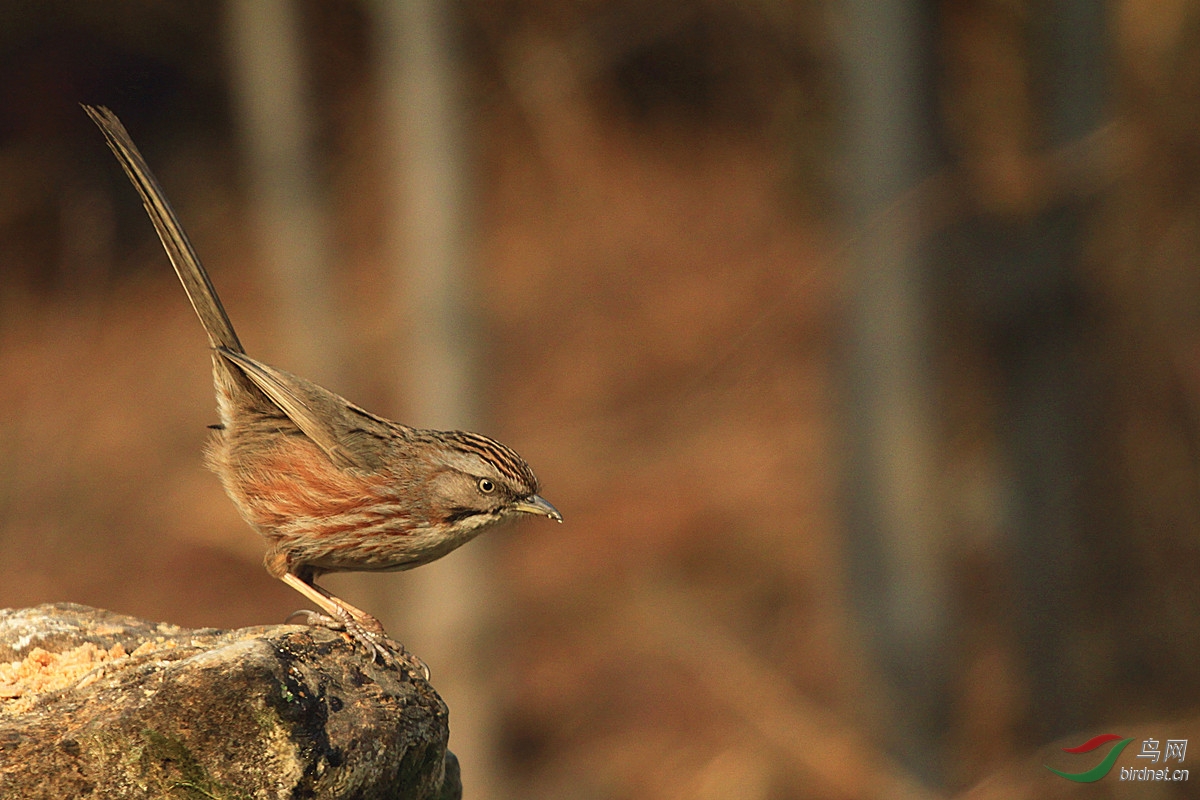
x: 370, y: 634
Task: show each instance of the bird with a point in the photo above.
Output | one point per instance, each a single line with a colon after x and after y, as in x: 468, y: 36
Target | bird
x: 330, y: 486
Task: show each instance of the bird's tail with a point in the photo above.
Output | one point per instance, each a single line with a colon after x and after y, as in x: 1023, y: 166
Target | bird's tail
x: 187, y: 264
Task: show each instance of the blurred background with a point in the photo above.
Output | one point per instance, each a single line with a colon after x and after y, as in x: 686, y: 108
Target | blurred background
x: 858, y: 343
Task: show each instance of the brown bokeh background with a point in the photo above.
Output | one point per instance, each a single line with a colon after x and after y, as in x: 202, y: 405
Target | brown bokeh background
x: 666, y: 268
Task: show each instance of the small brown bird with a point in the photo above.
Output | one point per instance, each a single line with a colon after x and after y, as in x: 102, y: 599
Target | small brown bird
x: 331, y: 487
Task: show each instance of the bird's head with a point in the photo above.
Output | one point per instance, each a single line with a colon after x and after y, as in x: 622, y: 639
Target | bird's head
x: 480, y: 482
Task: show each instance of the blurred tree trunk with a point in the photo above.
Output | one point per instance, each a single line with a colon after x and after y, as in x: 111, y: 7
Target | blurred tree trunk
x: 444, y: 610
x: 271, y: 100
x: 896, y: 533
x: 1050, y: 392
x: 1008, y: 263
x: 1011, y: 283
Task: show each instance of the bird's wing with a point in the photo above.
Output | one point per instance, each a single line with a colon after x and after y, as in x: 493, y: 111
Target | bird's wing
x: 311, y: 407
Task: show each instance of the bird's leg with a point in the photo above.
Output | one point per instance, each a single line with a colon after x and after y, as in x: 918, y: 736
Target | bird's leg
x: 336, y: 607
x: 361, y: 626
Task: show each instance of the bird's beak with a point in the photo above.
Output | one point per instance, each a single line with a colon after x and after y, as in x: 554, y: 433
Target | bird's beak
x: 534, y: 504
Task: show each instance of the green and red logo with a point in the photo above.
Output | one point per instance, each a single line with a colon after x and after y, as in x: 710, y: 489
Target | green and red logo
x: 1100, y: 770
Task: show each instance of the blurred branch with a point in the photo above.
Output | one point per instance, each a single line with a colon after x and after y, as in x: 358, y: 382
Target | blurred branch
x: 839, y: 759
x: 547, y: 78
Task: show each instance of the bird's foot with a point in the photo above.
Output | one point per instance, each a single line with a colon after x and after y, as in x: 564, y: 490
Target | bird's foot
x: 369, y: 633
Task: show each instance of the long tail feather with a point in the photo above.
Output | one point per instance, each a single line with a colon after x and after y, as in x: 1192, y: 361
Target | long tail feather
x: 183, y: 257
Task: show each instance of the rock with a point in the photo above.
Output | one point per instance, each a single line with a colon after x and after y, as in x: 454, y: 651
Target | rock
x: 98, y: 705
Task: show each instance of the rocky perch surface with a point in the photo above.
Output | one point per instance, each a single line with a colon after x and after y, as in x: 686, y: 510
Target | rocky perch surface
x: 98, y: 705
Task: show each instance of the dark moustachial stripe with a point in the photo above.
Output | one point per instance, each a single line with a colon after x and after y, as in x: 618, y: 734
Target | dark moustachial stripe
x: 458, y: 514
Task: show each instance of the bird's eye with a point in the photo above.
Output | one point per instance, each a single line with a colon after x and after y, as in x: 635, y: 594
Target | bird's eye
x: 486, y: 485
